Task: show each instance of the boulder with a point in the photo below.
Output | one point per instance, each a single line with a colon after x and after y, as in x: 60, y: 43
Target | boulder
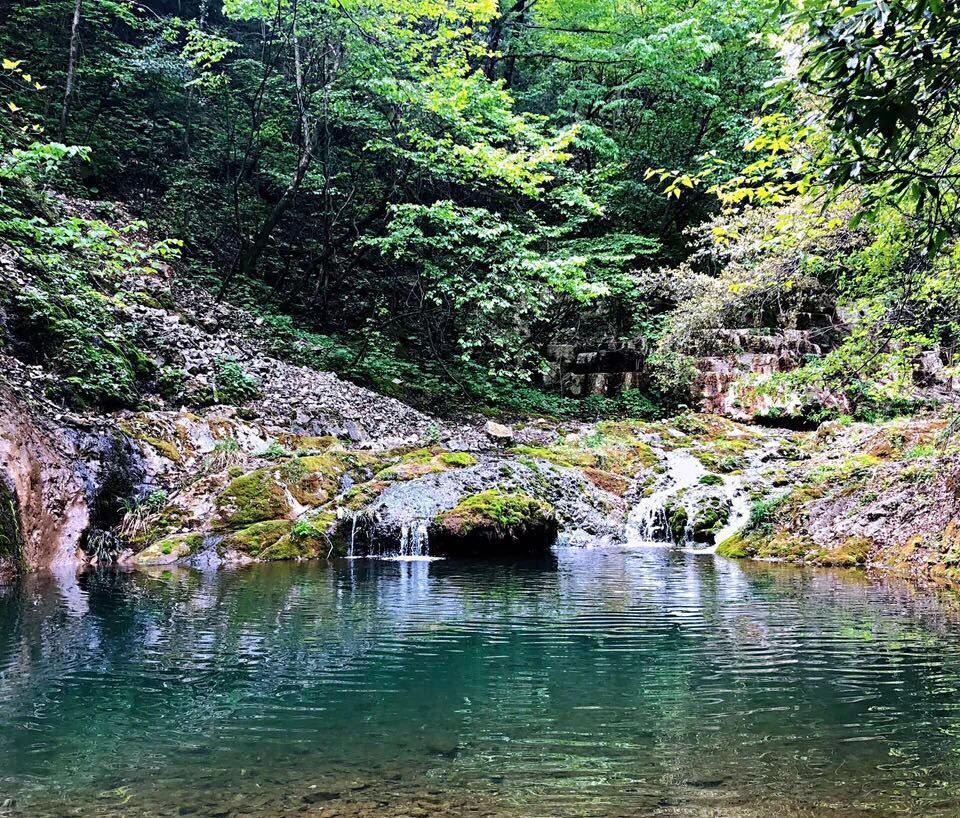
x: 494, y: 522
x: 498, y: 431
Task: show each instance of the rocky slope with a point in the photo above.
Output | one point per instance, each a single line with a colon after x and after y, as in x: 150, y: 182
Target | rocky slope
x: 886, y: 496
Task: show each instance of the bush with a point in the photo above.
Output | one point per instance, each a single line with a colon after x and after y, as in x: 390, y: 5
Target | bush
x: 232, y: 384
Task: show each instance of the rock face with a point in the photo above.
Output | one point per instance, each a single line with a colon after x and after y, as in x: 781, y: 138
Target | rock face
x: 59, y: 483
x: 606, y: 368
x: 730, y: 381
x: 45, y: 510
x: 860, y: 494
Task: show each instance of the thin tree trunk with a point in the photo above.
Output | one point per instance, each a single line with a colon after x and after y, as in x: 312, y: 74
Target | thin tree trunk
x: 188, y: 107
x: 71, y: 69
x: 247, y: 260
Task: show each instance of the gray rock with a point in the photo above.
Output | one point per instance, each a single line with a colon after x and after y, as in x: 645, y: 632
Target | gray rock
x: 498, y: 431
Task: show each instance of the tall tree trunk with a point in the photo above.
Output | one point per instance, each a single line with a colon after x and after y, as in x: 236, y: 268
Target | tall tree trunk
x: 71, y: 69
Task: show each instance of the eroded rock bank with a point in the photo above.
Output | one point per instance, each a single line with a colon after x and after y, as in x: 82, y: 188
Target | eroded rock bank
x: 885, y: 495
x: 60, y: 479
x: 210, y: 487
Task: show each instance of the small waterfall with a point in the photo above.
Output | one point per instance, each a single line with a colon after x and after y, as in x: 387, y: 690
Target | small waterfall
x: 414, y: 540
x: 353, y: 534
x: 647, y: 522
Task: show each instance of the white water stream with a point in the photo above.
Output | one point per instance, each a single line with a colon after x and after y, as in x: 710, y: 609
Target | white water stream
x: 647, y: 522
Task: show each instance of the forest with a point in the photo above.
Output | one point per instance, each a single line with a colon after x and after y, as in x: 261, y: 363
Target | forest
x: 479, y: 408
x: 425, y: 195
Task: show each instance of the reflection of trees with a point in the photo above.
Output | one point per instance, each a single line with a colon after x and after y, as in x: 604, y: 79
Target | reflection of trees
x: 601, y: 672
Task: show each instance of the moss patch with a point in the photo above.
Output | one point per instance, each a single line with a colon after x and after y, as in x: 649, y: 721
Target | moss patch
x: 734, y: 547
x: 607, y: 481
x: 252, y: 498
x: 256, y: 538
x: 457, y: 459
x: 166, y: 447
x: 854, y: 551
x: 170, y: 549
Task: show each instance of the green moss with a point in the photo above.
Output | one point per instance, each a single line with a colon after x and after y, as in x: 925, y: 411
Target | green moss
x: 307, y: 539
x: 854, y: 551
x: 170, y: 549
x: 850, y: 468
x: 734, y: 547
x: 614, y: 450
x: 256, y: 538
x: 252, y: 498
x: 167, y: 448
x: 457, y: 459
x: 711, y: 480
x: 421, y: 462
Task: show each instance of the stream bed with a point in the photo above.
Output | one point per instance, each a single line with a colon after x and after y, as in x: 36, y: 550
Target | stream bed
x: 598, y: 682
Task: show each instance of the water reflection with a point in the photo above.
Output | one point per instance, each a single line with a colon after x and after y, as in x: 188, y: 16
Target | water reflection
x: 597, y: 682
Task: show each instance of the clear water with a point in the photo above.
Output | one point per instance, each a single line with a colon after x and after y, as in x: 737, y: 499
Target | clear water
x: 614, y: 682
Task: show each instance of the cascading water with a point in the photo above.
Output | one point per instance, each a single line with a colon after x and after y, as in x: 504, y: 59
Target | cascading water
x: 414, y: 540
x: 677, y: 487
x: 353, y: 535
x: 647, y: 522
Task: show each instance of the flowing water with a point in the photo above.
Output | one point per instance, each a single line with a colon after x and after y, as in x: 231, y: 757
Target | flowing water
x: 599, y: 682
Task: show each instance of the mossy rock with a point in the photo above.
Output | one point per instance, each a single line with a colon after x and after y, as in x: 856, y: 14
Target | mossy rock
x: 677, y: 521
x: 167, y: 448
x: 711, y: 480
x: 255, y: 539
x: 709, y: 519
x: 165, y: 522
x: 494, y: 522
x: 251, y: 498
x: 853, y: 552
x: 170, y: 549
x: 306, y: 540
x: 410, y: 470
x: 780, y: 546
x: 359, y: 497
